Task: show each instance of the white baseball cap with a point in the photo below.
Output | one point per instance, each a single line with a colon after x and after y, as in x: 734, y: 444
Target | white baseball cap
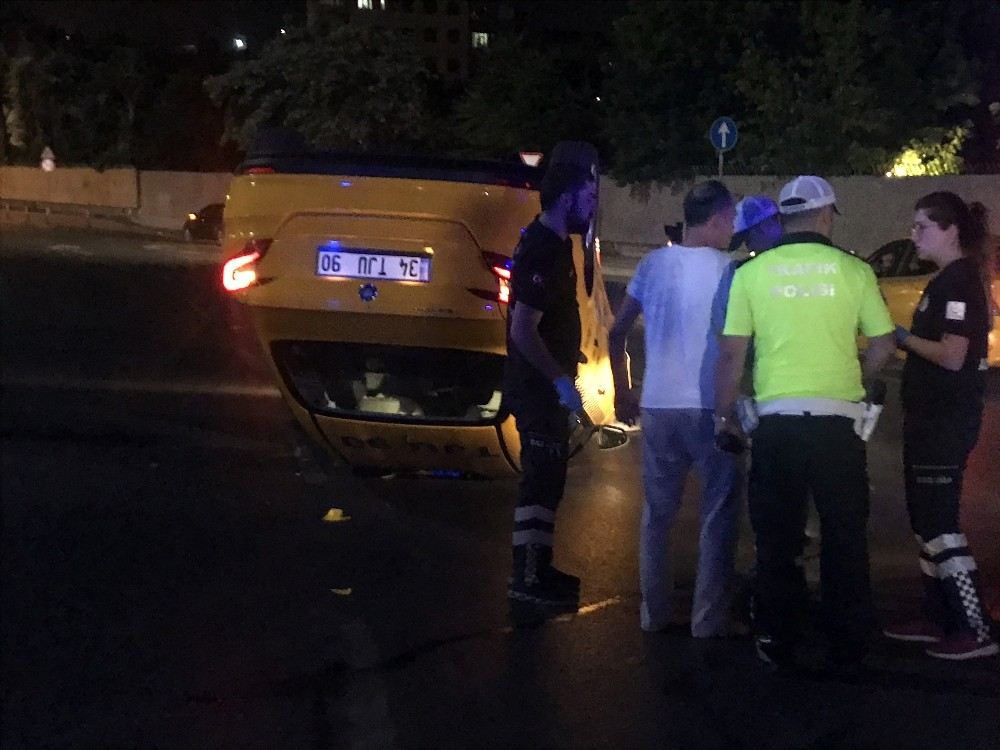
x: 805, y: 193
x: 752, y: 210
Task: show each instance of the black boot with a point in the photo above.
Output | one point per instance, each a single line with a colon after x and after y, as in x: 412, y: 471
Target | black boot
x: 531, y: 581
x: 569, y: 583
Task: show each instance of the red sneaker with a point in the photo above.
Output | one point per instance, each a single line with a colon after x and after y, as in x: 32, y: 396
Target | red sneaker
x: 918, y: 631
x: 961, y: 646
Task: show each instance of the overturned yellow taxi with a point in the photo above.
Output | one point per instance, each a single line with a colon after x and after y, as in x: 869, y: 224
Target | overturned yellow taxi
x: 378, y: 289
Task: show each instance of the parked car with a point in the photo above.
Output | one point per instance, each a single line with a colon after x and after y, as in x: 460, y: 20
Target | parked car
x: 205, y: 224
x: 902, y: 277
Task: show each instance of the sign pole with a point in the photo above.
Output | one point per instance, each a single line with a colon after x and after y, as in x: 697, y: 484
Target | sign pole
x: 723, y: 135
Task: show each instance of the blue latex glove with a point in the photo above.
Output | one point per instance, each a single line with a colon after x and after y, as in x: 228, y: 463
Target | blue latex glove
x: 568, y: 395
x: 901, y: 335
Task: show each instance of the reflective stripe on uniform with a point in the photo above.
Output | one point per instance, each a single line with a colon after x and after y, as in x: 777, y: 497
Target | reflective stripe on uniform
x: 530, y: 512
x: 533, y: 536
x: 955, y: 566
x: 939, y: 544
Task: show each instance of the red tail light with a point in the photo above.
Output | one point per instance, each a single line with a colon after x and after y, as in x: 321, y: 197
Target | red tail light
x: 259, y: 170
x: 240, y: 272
x: 500, y: 266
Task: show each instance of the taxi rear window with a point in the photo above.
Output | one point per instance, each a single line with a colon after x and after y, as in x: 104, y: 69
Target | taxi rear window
x: 382, y: 382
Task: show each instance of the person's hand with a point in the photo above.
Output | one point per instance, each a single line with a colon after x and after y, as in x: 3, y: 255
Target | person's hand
x: 728, y: 435
x: 901, y: 335
x: 626, y: 406
x: 569, y: 397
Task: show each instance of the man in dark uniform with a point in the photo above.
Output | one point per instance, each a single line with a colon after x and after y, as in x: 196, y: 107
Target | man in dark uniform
x: 543, y: 348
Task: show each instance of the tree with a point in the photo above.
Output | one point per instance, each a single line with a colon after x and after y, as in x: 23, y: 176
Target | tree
x: 835, y: 88
x: 668, y: 80
x: 81, y: 100
x: 350, y: 88
x: 528, y: 98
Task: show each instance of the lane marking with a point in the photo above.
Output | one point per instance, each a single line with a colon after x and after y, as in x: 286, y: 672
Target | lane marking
x: 72, y: 250
x: 596, y: 606
x: 143, y: 386
x: 583, y: 611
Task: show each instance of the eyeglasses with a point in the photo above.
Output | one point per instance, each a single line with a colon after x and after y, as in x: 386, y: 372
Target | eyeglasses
x: 917, y: 227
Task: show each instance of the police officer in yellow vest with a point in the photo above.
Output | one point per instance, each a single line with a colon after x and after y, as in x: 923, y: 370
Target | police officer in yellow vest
x: 804, y: 302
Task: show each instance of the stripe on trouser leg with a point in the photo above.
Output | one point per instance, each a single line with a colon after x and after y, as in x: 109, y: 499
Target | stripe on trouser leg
x: 939, y: 544
x: 971, y: 605
x: 955, y: 566
x: 529, y: 512
x: 533, y: 536
x: 928, y: 568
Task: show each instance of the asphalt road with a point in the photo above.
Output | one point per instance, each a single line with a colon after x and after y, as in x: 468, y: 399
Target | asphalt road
x: 168, y: 579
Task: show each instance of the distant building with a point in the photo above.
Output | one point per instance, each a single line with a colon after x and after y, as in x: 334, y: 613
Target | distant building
x: 452, y: 34
x: 439, y: 28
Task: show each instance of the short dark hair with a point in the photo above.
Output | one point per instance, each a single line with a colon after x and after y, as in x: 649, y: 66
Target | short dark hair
x: 705, y: 200
x: 562, y: 178
x: 801, y: 218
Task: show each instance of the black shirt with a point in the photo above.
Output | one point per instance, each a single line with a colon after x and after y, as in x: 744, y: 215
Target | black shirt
x: 953, y: 302
x: 543, y: 277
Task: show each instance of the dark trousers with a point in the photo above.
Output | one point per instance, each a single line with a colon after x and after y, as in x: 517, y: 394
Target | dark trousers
x: 793, y: 456
x: 543, y: 426
x: 936, y: 446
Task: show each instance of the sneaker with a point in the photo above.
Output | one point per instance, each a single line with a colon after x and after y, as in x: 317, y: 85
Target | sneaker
x: 544, y: 593
x: 915, y: 631
x: 961, y: 646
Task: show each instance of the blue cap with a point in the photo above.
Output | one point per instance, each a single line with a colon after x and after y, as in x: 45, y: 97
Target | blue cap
x: 752, y: 210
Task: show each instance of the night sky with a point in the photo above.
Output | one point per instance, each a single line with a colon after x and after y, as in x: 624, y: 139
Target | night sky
x: 164, y: 22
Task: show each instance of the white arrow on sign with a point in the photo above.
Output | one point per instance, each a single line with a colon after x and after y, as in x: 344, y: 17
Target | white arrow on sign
x: 724, y: 132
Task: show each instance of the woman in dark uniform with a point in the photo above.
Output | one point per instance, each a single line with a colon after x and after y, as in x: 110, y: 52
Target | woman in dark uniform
x: 944, y: 382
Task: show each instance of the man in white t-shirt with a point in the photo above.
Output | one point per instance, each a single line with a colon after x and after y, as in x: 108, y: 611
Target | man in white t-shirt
x: 681, y: 292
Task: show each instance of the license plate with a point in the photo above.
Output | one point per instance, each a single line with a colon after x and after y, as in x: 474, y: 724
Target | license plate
x: 357, y: 264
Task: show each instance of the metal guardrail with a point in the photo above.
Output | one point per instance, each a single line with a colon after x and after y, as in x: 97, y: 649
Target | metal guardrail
x: 105, y: 218
x: 65, y: 208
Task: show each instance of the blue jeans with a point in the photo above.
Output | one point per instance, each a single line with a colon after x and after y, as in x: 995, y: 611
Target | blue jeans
x: 674, y: 441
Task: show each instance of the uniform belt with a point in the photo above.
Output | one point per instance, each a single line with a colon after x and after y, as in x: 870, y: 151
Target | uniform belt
x: 816, y: 407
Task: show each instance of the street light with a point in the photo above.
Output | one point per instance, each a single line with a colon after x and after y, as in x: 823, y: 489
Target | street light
x: 239, y: 43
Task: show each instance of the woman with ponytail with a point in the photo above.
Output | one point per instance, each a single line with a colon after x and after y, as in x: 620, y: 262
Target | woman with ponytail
x: 944, y: 383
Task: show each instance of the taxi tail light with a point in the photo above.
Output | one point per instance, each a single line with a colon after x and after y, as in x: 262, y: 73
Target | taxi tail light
x: 259, y: 170
x: 240, y: 271
x: 500, y: 266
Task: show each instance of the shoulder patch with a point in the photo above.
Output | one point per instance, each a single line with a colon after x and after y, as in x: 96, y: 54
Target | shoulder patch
x: 954, y: 311
x: 537, y: 280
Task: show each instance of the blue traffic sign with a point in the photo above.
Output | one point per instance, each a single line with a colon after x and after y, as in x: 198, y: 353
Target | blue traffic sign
x: 723, y: 133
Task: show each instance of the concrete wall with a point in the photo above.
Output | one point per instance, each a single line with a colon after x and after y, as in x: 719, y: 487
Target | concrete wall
x: 166, y: 198
x: 875, y: 210
x: 112, y: 188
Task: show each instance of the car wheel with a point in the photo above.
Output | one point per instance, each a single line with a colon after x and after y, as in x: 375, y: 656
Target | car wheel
x: 188, y: 237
